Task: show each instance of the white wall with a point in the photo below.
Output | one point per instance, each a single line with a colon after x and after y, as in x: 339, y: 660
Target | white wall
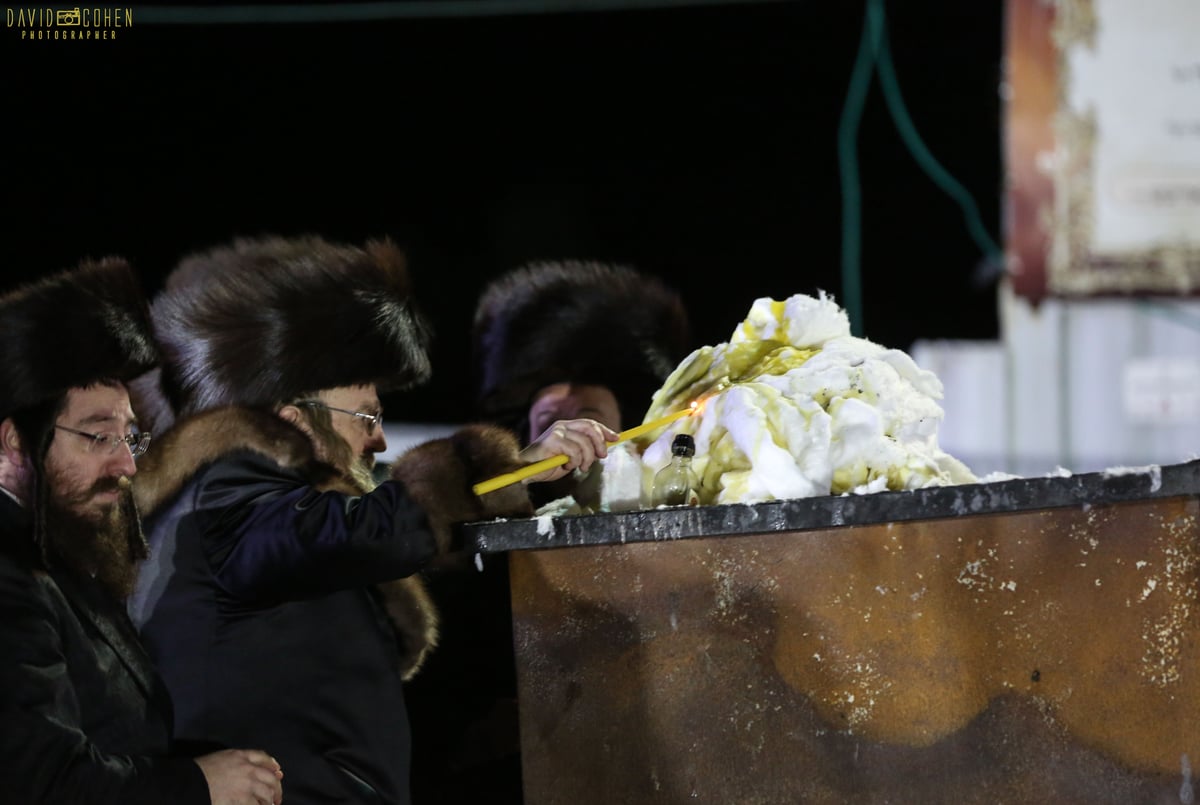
x: 1083, y: 385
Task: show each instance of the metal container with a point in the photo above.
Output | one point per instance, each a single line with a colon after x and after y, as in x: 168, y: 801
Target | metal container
x: 1032, y: 640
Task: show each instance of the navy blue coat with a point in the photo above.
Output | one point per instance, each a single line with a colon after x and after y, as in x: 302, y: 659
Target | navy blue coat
x: 259, y: 606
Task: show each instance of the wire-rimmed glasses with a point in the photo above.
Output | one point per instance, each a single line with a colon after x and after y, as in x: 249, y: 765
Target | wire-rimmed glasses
x: 371, y: 422
x: 138, y: 443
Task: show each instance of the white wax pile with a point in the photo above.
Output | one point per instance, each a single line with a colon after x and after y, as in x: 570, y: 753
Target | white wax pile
x: 794, y: 406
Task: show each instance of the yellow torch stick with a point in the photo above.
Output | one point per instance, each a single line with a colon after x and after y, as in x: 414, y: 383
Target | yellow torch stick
x: 529, y: 470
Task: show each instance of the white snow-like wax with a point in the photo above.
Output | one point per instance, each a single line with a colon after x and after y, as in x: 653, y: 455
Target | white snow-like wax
x: 794, y: 406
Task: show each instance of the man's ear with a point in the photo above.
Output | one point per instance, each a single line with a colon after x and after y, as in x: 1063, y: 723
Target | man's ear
x: 15, y: 467
x: 10, y: 442
x: 293, y: 415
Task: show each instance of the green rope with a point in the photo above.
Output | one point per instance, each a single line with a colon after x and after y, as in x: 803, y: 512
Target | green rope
x: 856, y: 95
x: 874, y: 54
x: 908, y: 133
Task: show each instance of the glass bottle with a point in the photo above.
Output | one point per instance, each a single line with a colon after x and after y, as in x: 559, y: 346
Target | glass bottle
x: 676, y: 484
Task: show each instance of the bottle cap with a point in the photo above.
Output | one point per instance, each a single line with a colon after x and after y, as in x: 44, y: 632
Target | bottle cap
x: 683, y: 445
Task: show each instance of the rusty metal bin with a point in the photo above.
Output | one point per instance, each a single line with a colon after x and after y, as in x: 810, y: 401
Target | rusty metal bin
x: 1025, y: 641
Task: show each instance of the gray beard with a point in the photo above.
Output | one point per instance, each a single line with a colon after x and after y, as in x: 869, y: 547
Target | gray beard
x: 334, y: 450
x: 361, y: 475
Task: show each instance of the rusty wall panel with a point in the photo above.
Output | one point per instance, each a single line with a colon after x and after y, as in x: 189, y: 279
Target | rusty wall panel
x: 1044, y: 656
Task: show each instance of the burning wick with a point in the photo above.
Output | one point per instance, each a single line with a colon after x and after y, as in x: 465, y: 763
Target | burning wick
x: 509, y: 478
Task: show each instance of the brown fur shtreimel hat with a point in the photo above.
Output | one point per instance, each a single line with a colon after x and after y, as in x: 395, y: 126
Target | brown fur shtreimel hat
x: 259, y: 321
x: 71, y: 329
x: 579, y: 322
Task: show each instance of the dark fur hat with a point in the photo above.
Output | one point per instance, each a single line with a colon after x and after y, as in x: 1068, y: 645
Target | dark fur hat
x: 262, y: 320
x: 72, y: 329
x: 581, y: 322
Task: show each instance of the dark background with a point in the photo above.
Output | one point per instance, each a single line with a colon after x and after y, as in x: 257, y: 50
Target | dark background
x: 696, y: 143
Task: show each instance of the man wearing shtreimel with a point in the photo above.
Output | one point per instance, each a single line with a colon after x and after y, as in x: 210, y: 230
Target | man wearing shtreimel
x: 85, y: 718
x: 281, y: 598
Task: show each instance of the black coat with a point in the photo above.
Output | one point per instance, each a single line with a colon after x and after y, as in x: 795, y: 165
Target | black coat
x: 259, y: 605
x: 83, y: 717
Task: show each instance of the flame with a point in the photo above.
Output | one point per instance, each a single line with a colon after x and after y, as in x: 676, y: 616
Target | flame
x: 696, y: 406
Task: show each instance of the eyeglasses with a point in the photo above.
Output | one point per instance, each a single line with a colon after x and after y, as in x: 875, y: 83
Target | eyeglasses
x: 138, y: 443
x: 372, y: 422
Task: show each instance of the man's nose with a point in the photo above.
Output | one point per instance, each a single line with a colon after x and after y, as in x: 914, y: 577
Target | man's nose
x: 121, y: 462
x: 377, y: 442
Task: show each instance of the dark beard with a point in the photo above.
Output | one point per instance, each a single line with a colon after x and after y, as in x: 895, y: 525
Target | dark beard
x: 107, y: 546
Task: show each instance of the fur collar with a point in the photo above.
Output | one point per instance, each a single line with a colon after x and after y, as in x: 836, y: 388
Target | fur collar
x: 198, y: 441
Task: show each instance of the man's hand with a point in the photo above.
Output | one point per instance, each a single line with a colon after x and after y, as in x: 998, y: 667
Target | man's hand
x: 582, y: 441
x: 242, y: 777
